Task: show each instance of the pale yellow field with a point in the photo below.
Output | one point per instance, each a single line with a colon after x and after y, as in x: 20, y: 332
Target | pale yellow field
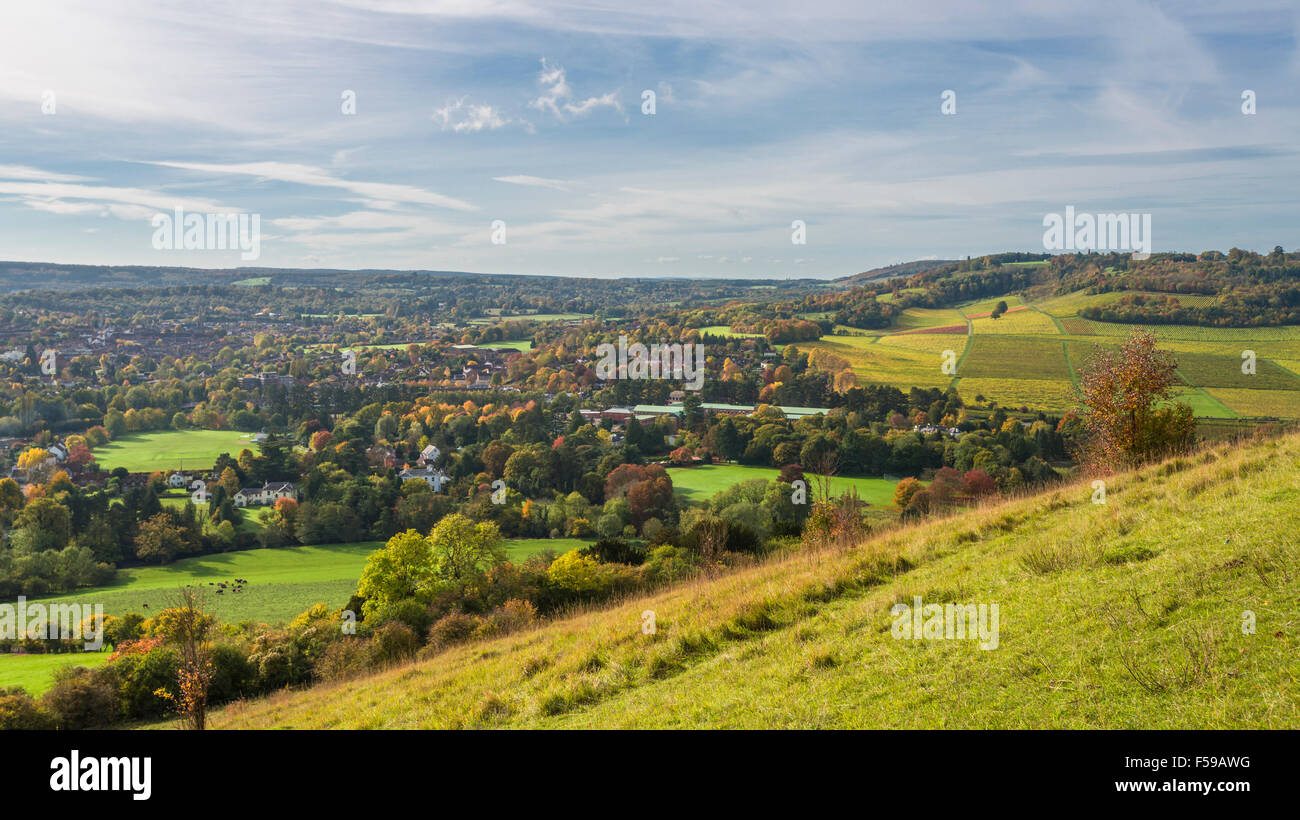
x: 925, y: 317
x: 1290, y: 364
x: 987, y: 305
x: 1280, y: 403
x: 928, y: 342
x: 1022, y: 322
x: 885, y: 364
x: 1036, y: 393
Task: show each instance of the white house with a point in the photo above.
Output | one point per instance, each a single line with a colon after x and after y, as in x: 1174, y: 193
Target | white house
x: 435, y: 478
x: 178, y: 481
x: 266, y: 494
x: 429, y: 455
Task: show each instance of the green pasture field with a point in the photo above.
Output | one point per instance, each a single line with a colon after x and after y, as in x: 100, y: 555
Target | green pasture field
x: 698, y: 484
x: 726, y: 331
x: 519, y: 550
x: 172, y: 450
x: 1203, y: 404
x: 35, y: 673
x: 536, y: 317
x: 282, y: 581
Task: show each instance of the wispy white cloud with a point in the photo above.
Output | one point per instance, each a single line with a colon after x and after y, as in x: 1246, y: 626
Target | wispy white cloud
x: 79, y: 199
x: 468, y: 119
x: 298, y: 174
x: 38, y: 174
x: 536, y: 182
x: 557, y: 96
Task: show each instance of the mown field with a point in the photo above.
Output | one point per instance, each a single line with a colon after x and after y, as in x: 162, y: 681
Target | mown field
x: 172, y: 450
x: 725, y: 331
x: 35, y: 673
x: 532, y: 317
x: 696, y: 484
x: 1032, y: 356
x: 1109, y: 618
x: 281, y: 582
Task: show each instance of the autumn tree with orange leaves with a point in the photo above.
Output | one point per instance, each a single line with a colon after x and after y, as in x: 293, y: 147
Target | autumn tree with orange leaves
x: 188, y: 626
x: 1121, y: 391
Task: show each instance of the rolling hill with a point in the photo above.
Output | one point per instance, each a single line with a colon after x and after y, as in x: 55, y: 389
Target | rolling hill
x: 901, y: 269
x: 1032, y: 356
x: 1109, y: 618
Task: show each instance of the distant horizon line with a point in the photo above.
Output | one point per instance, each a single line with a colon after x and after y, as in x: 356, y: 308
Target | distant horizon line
x: 448, y: 272
x: 666, y: 276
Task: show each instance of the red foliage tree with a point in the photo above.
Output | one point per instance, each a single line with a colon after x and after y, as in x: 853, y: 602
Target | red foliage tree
x: 978, y: 483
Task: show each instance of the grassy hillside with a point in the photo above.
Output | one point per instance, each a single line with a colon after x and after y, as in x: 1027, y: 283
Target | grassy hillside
x: 1123, y: 615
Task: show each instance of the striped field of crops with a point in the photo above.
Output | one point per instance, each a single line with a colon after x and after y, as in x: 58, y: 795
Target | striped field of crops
x: 1032, y: 355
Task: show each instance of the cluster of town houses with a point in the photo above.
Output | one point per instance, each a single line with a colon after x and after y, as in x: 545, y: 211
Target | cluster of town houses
x: 272, y: 491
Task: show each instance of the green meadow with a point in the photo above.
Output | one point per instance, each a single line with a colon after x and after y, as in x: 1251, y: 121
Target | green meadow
x: 697, y: 484
x: 35, y: 673
x: 531, y: 317
x: 281, y: 582
x: 172, y: 450
x: 726, y: 332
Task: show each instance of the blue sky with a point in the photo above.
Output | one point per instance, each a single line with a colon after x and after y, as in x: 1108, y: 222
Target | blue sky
x: 470, y: 111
